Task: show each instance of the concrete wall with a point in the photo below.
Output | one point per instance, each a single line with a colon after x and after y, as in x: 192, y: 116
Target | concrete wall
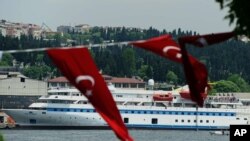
x: 22, y: 87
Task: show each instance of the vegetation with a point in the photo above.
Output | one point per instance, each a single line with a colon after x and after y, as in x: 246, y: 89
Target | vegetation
x: 238, y: 13
x: 221, y: 60
x: 1, y: 137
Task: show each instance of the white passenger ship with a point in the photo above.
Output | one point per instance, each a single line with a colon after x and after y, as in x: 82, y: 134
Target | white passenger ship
x: 67, y: 108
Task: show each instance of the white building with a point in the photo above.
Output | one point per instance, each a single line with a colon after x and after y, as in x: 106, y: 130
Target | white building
x: 64, y: 29
x: 18, y: 91
x: 82, y: 28
x: 118, y: 82
x: 2, y: 30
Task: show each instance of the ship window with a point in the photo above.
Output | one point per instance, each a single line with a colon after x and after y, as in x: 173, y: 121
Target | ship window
x: 188, y: 121
x: 170, y: 113
x: 245, y: 118
x: 126, y: 120
x: 238, y: 118
x: 182, y: 120
x: 188, y: 113
x: 22, y: 79
x: 74, y: 110
x: 201, y: 121
x: 219, y: 114
x: 32, y: 121
x: 132, y: 112
x: 68, y: 110
x: 232, y: 114
x: 154, y: 121
x: 195, y: 121
x: 201, y: 113
x: 43, y: 112
x: 151, y: 112
x: 87, y: 110
x: 176, y: 120
x: 207, y: 114
x: 182, y: 113
x: 207, y: 121
x: 213, y: 114
x: 61, y: 109
x: 195, y: 113
x: 55, y: 109
x: 94, y: 111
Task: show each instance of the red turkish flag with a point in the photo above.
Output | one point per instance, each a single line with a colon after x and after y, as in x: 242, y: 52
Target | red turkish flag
x: 205, y: 40
x: 79, y: 68
x: 166, y: 47
x: 163, y: 45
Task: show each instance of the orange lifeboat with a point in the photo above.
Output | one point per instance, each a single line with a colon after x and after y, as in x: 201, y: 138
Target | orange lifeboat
x: 186, y: 95
x: 163, y: 97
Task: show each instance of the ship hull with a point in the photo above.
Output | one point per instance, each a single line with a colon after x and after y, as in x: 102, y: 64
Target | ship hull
x: 149, y: 118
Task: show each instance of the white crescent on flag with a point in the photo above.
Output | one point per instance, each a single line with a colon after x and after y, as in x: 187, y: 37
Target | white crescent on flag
x: 86, y: 77
x: 167, y: 48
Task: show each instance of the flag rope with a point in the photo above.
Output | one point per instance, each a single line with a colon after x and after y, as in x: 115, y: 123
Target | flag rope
x: 69, y: 47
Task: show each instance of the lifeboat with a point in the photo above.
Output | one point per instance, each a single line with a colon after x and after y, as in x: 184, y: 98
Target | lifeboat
x: 163, y: 97
x: 186, y: 95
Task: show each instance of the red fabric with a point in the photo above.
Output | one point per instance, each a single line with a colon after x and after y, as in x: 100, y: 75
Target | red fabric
x: 163, y: 45
x: 195, y: 71
x: 78, y: 62
x: 204, y: 40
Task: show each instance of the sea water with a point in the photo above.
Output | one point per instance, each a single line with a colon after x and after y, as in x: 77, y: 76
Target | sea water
x: 108, y: 135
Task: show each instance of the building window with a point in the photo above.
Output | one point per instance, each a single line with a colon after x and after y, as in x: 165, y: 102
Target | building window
x: 133, y: 85
x: 62, y: 85
x: 53, y: 84
x: 117, y: 85
x: 22, y: 79
x: 125, y: 85
x: 141, y: 85
x: 32, y: 121
x: 154, y: 120
x: 126, y: 120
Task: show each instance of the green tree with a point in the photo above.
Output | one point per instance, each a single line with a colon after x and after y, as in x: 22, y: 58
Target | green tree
x: 142, y: 72
x: 1, y: 137
x: 37, y: 72
x: 226, y: 86
x: 240, y: 82
x: 6, y: 60
x: 171, y: 77
x: 239, y: 13
x: 128, y: 56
